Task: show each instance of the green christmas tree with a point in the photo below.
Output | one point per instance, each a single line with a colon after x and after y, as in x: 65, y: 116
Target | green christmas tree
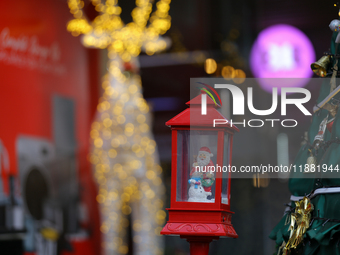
x: 311, y: 224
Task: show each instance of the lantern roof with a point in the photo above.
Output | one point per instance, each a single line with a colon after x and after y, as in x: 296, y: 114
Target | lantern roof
x: 193, y: 117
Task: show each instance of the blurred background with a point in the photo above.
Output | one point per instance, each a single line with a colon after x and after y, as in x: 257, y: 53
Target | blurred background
x: 51, y: 84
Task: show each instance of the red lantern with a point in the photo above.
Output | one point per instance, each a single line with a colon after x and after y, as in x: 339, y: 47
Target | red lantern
x: 200, y: 176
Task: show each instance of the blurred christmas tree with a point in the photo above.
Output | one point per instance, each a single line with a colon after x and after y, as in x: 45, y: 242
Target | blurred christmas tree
x: 311, y: 224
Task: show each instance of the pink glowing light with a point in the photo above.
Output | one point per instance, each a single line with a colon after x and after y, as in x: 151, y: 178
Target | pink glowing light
x: 282, y: 51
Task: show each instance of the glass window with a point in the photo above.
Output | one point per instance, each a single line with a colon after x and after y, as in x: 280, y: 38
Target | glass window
x: 226, y: 169
x: 196, y: 162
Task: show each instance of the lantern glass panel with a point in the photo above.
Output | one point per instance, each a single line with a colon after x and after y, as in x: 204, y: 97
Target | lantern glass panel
x: 196, y: 158
x: 225, y: 169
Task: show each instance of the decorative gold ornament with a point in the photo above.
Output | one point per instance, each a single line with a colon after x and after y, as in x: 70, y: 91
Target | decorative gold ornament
x: 320, y: 67
x: 299, y: 223
x: 49, y: 234
x: 331, y: 108
x: 311, y: 162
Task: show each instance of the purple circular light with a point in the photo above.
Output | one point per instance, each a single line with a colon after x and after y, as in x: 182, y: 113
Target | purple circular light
x: 282, y: 51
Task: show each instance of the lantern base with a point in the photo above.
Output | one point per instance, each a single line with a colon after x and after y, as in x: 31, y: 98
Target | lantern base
x: 199, y: 229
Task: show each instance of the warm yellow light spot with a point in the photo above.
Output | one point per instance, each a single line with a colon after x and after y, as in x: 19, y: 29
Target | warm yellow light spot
x: 145, y: 140
x: 126, y: 56
x: 109, y: 91
x: 122, y: 175
x: 95, y: 125
x: 138, y: 195
x: 123, y: 249
x: 117, y: 167
x: 150, y: 149
x: 118, y: 240
x: 107, y: 122
x: 228, y: 72
x: 113, y: 215
x: 112, y: 153
x: 106, y: 85
x: 144, y: 128
x: 150, y: 174
x: 143, y: 106
x: 126, y: 209
x: 115, y: 142
x: 100, y: 199
x: 122, y: 139
x: 113, y: 196
x: 105, y: 105
x: 144, y: 186
x: 137, y: 226
x: 240, y: 76
x: 99, y: 168
x: 159, y: 203
x: 136, y: 148
x: 129, y: 128
x: 102, y: 192
x: 210, y: 66
x: 140, y: 153
x: 104, y: 229
x: 133, y: 88
x: 161, y: 215
x: 135, y: 164
x: 121, y: 119
x: 157, y: 181
x: 117, y: 110
x: 141, y: 118
x: 94, y: 133
x: 265, y: 182
x: 98, y: 142
x: 94, y: 159
x: 128, y: 190
x: 125, y: 197
x: 104, y: 115
x: 150, y: 194
x: 107, y: 134
x: 125, y: 97
x: 118, y: 46
x: 159, y: 169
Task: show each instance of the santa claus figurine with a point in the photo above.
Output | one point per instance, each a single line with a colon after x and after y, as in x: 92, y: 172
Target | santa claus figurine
x: 202, y: 163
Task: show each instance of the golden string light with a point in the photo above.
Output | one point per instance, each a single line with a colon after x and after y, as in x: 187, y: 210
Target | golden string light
x: 121, y: 137
x: 124, y: 156
x: 107, y: 30
x: 239, y: 77
x: 227, y: 72
x: 210, y: 66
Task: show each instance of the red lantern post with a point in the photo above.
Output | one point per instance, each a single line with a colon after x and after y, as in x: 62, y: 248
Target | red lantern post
x: 200, y: 176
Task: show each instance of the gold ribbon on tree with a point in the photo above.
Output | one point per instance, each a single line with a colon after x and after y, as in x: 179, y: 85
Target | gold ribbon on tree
x: 299, y: 223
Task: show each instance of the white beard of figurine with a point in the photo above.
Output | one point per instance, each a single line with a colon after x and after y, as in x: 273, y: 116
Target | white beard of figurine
x: 203, y: 161
x: 198, y: 194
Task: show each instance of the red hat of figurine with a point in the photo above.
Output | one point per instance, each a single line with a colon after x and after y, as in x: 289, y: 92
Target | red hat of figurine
x: 206, y: 149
